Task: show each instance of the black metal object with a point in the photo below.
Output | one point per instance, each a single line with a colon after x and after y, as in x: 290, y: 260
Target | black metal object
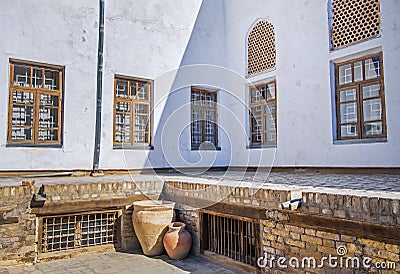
x: 99, y: 89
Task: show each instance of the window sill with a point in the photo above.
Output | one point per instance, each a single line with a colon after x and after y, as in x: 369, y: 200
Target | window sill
x: 34, y: 145
x: 360, y: 141
x: 134, y: 147
x: 261, y: 146
x: 206, y: 148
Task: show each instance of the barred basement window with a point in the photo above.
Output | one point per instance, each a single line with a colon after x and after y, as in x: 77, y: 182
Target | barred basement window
x: 65, y: 232
x: 35, y: 103
x: 360, y: 100
x: 354, y: 21
x: 263, y: 114
x: 234, y: 237
x: 132, y: 107
x: 261, y: 53
x: 204, y: 129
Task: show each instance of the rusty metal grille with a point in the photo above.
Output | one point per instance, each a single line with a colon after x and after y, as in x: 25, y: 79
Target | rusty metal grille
x: 237, y: 239
x: 261, y: 52
x: 354, y: 21
x: 78, y: 230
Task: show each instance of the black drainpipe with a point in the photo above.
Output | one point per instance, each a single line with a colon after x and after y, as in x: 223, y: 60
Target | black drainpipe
x: 95, y: 170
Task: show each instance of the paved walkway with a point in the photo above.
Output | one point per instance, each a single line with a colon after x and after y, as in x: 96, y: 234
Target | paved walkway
x: 120, y: 263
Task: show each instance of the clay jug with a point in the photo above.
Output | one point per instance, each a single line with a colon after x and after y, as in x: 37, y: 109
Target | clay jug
x: 150, y: 221
x: 177, y: 241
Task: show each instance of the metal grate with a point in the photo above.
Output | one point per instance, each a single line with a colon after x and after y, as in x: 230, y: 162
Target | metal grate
x: 354, y: 21
x: 232, y: 237
x: 78, y: 230
x: 261, y: 53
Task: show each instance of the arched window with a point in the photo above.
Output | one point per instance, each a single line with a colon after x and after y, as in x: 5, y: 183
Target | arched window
x: 261, y: 53
x: 354, y: 21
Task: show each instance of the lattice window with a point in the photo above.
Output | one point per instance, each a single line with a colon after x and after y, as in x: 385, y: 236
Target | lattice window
x: 263, y: 114
x: 204, y: 129
x: 354, y: 21
x: 261, y: 52
x: 78, y: 230
x: 132, y: 111
x: 360, y: 103
x: 35, y: 104
x: 234, y: 237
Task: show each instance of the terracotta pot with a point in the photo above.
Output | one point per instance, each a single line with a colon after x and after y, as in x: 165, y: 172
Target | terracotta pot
x: 150, y: 221
x: 177, y: 241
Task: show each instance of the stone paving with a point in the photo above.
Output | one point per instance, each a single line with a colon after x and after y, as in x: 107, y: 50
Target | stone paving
x: 115, y: 262
x: 375, y: 184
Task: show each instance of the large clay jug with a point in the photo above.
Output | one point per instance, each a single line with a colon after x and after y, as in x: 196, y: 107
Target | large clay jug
x: 150, y: 221
x: 177, y: 241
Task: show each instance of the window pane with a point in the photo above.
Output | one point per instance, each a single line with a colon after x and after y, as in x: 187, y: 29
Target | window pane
x: 48, y: 118
x: 142, y: 108
x: 196, y: 139
x: 358, y: 73
x: 22, y: 75
x: 270, y: 122
x: 48, y: 135
x: 348, y: 131
x: 348, y: 113
x: 141, y: 123
x: 345, y: 74
x: 22, y: 116
x: 122, y: 89
x: 210, y: 100
x: 140, y: 137
x: 210, y: 128
x: 197, y: 114
x: 48, y: 100
x: 373, y: 128
x: 256, y: 138
x: 122, y: 137
x: 143, y: 91
x: 21, y: 133
x: 372, y: 68
x: 348, y: 95
x: 51, y: 79
x: 196, y: 98
x: 21, y: 97
x: 271, y: 91
x: 255, y: 95
x: 196, y: 127
x: 270, y: 109
x: 371, y: 91
x: 256, y: 124
x: 372, y: 110
x: 211, y: 115
x: 132, y: 91
x: 122, y: 122
x: 256, y: 110
x: 210, y: 138
x: 123, y: 106
x: 270, y: 137
x: 37, y: 78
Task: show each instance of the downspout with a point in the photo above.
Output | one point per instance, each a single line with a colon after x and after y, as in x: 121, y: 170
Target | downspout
x: 95, y: 170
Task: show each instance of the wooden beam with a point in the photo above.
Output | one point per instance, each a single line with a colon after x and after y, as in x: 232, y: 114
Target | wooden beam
x: 84, y: 206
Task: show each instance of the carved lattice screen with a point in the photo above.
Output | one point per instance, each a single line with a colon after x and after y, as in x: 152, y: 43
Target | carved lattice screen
x: 261, y: 52
x: 354, y: 21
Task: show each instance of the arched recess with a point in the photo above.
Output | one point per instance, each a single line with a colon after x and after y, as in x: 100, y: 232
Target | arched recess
x: 261, y: 51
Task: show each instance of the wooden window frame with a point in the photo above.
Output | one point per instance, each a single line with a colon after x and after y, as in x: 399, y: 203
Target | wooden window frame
x: 36, y: 106
x: 262, y: 103
x: 133, y: 101
x: 359, y: 99
x: 203, y: 120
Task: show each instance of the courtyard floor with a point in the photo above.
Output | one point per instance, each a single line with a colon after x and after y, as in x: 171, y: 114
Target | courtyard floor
x: 115, y: 262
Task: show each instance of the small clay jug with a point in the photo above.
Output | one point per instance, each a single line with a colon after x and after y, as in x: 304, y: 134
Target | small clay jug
x: 177, y: 241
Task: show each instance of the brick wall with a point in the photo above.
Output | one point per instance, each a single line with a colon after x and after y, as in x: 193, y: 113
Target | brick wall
x: 18, y: 238
x: 289, y: 241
